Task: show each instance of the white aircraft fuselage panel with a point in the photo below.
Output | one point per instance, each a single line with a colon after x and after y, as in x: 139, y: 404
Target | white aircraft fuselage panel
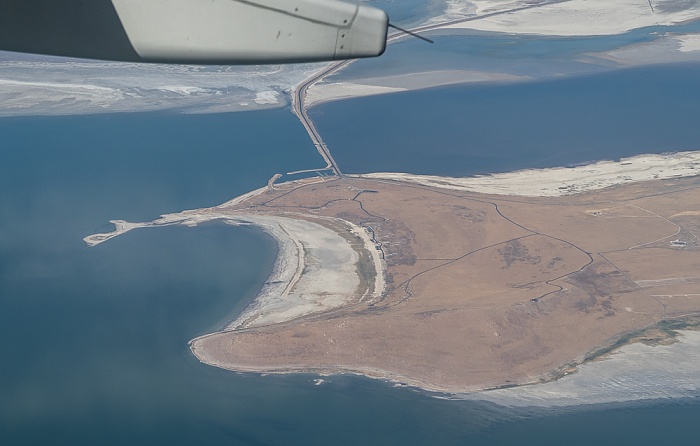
x: 194, y: 31
x: 251, y: 30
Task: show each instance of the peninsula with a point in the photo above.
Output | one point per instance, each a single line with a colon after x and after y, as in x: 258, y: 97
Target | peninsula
x: 440, y: 287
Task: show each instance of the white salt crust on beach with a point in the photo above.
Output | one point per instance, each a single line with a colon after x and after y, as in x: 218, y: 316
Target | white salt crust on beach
x: 634, y: 372
x: 560, y: 181
x: 315, y: 270
x: 578, y: 17
x: 322, y: 92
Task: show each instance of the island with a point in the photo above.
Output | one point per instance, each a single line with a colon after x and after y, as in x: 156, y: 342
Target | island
x: 459, y: 285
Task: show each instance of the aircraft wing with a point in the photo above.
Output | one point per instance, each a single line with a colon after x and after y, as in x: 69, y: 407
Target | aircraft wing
x: 194, y: 31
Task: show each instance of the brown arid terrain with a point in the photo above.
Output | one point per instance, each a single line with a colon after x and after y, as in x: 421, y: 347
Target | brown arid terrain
x: 482, y: 291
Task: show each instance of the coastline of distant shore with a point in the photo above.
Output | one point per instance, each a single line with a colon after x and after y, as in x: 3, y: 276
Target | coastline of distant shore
x: 561, y: 19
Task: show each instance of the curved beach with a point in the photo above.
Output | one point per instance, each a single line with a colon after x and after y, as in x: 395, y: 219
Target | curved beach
x: 316, y: 269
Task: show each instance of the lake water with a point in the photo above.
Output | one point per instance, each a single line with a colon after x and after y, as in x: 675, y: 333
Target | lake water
x: 467, y: 130
x: 94, y: 340
x: 523, y: 55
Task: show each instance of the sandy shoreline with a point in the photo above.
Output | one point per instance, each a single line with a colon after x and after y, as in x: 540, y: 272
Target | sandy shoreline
x: 315, y: 270
x: 560, y: 181
x: 322, y: 92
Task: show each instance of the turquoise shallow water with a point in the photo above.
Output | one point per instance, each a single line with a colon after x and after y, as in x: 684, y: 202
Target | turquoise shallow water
x: 94, y: 340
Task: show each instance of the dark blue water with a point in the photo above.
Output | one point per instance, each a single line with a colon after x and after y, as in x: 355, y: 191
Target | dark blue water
x: 635, y: 424
x: 467, y: 130
x: 94, y: 340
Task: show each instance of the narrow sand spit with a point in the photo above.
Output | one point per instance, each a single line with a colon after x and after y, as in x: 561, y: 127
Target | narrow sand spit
x: 322, y: 92
x: 187, y: 218
x: 316, y: 267
x: 558, y: 181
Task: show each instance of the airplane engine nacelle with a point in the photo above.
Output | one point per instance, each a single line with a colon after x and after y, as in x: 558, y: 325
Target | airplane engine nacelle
x: 194, y: 31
